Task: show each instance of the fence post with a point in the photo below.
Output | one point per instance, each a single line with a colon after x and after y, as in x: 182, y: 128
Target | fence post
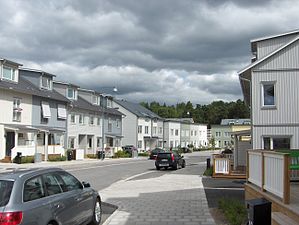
x: 286, y: 180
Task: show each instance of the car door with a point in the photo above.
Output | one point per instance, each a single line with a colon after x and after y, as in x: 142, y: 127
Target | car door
x: 62, y: 203
x: 83, y: 198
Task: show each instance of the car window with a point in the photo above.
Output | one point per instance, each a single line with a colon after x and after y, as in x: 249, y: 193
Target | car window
x: 71, y: 183
x: 33, y: 189
x: 51, y: 184
x: 5, y: 191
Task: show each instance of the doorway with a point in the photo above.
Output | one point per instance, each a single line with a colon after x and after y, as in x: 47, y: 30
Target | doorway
x: 10, y: 142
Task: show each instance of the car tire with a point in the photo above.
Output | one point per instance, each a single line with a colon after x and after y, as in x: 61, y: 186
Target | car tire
x: 158, y: 168
x: 184, y: 164
x: 176, y: 166
x: 97, y: 213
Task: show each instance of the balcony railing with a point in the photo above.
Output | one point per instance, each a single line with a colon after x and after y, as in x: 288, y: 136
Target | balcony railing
x: 270, y: 171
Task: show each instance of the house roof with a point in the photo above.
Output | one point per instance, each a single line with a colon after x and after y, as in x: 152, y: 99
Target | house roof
x: 38, y: 71
x: 26, y: 87
x: 137, y: 109
x: 10, y: 62
x: 274, y: 36
x: 225, y: 122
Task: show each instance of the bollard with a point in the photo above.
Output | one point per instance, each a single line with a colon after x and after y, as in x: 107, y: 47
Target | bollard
x: 208, y: 163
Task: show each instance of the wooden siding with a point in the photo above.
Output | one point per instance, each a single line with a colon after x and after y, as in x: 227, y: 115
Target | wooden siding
x: 285, y: 59
x: 291, y: 131
x: 286, y: 92
x: 267, y: 46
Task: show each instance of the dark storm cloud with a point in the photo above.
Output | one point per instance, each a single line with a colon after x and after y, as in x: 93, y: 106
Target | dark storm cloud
x: 168, y: 50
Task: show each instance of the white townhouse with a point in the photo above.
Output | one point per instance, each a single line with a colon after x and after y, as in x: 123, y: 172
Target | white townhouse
x: 270, y: 86
x: 32, y: 119
x: 198, y: 135
x: 141, y: 127
x: 172, y: 133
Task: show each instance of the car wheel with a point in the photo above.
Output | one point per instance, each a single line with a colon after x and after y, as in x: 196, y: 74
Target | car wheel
x: 165, y: 167
x: 176, y: 166
x: 97, y: 213
x: 184, y: 164
x: 157, y: 167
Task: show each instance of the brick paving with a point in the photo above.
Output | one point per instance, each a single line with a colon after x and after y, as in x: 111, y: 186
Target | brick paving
x: 170, y: 199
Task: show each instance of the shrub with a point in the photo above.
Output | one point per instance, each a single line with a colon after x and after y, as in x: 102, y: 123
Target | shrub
x: 27, y: 159
x: 55, y: 158
x: 234, y: 210
x: 143, y: 154
x: 91, y: 156
x: 208, y: 172
x: 121, y: 154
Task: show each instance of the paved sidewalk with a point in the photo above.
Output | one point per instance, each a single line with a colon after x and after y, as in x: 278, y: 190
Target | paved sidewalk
x: 170, y: 199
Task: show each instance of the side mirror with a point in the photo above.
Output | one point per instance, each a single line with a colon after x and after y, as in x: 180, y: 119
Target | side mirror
x: 182, y: 156
x: 85, y: 184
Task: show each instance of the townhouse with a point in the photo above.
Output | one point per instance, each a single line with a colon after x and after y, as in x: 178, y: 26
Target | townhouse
x: 269, y: 85
x: 33, y: 115
x: 223, y: 133
x: 172, y: 133
x: 142, y: 127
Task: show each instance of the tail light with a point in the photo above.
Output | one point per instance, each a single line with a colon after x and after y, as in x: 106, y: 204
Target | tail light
x: 172, y: 157
x: 11, y: 218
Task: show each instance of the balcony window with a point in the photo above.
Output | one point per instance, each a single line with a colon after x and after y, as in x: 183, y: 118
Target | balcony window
x: 17, y: 111
x: 96, y: 100
x: 71, y: 93
x: 46, y: 83
x: 9, y: 73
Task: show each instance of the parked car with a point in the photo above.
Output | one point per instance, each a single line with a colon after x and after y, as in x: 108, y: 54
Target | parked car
x: 186, y: 150
x: 154, y: 152
x: 129, y: 149
x: 170, y: 159
x: 48, y: 196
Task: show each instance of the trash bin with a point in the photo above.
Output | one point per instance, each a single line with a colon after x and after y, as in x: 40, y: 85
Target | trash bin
x: 69, y: 155
x: 208, y: 163
x: 259, y: 211
x: 18, y: 158
x: 101, y: 155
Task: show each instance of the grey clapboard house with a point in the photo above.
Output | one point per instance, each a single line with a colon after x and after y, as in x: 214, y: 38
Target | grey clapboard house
x: 141, y: 127
x: 270, y: 86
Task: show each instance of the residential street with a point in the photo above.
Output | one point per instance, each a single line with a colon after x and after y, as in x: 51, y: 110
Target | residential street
x: 144, y: 195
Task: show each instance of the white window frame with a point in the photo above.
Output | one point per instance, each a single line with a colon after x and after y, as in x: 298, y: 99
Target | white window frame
x: 146, y: 129
x: 176, y: 132
x: 81, y: 117
x: 91, y: 120
x: 139, y: 129
x: 139, y: 144
x: 13, y: 73
x: 74, y: 93
x: 263, y: 83
x: 46, y: 110
x: 49, y: 83
x: 17, y: 111
x: 73, y: 115
x: 117, y: 123
x: 61, y: 112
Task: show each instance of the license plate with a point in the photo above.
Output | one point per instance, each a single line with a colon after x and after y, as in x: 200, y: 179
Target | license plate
x: 164, y: 164
x: 164, y: 160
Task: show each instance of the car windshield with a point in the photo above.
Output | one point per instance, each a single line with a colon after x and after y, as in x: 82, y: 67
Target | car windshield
x: 5, y: 191
x: 164, y: 155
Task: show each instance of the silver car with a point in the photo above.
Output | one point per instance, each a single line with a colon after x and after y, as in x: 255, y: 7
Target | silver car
x: 48, y: 196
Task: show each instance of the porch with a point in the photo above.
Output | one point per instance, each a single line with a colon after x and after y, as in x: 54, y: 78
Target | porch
x: 269, y: 175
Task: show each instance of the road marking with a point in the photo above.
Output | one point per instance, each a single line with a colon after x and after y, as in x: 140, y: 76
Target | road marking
x: 224, y: 188
x: 138, y: 175
x: 115, y: 164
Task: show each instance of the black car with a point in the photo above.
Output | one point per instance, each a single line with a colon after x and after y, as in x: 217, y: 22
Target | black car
x: 170, y: 159
x: 155, y: 152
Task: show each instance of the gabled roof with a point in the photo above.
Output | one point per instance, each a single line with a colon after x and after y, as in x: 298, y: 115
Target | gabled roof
x: 10, y: 62
x: 274, y: 36
x: 26, y: 87
x: 137, y: 109
x: 37, y: 71
x: 267, y: 56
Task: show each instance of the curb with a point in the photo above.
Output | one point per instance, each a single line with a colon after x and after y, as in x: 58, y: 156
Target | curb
x: 108, y: 220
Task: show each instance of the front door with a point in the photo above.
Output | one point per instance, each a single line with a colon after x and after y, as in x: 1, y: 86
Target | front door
x: 10, y: 142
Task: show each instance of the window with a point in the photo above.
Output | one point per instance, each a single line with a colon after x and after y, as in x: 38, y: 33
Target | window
x: 160, y: 130
x: 277, y: 143
x: 98, y: 142
x: 171, y: 143
x: 5, y: 191
x: 81, y: 119
x: 73, y: 118
x: 139, y: 144
x: 191, y: 132
x: 46, y: 83
x: 46, y: 112
x: 71, y: 93
x: 99, y: 121
x: 91, y: 120
x: 90, y: 142
x: 268, y: 94
x: 171, y: 132
x: 176, y: 143
x: 195, y: 133
x: 139, y: 129
x: 117, y: 123
x: 109, y: 125
x: 61, y: 112
x: 33, y: 189
x: 96, y: 100
x: 9, y: 73
x: 52, y: 185
x: 218, y: 134
x: 160, y: 144
x: 154, y: 130
x: 17, y: 111
x: 71, y: 142
x: 176, y: 132
x: 146, y: 130
x: 71, y: 183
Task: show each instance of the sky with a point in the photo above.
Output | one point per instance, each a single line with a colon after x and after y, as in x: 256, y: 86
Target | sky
x: 159, y: 50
